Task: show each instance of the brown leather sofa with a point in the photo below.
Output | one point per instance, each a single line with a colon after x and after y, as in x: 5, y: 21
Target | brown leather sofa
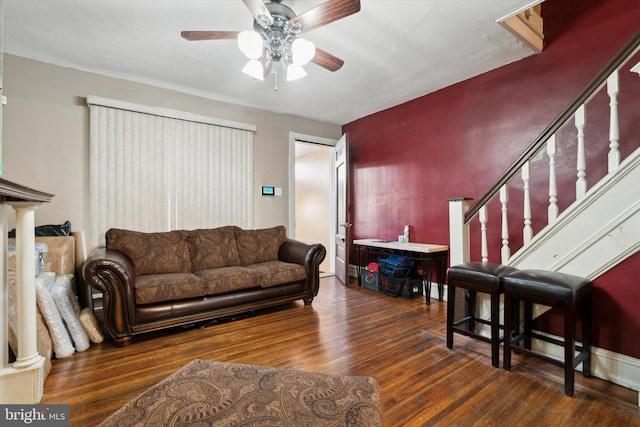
x: 152, y: 281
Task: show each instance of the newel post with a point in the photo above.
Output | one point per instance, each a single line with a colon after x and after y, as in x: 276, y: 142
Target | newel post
x: 458, y: 231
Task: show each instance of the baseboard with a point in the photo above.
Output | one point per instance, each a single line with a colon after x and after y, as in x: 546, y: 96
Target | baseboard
x: 616, y: 368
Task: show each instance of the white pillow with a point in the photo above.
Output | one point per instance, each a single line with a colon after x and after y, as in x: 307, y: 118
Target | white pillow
x: 67, y: 303
x: 62, y: 345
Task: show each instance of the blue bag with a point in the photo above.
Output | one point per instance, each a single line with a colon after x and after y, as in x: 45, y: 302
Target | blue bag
x: 395, y: 266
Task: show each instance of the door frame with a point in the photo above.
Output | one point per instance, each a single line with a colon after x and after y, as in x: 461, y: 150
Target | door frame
x: 331, y: 143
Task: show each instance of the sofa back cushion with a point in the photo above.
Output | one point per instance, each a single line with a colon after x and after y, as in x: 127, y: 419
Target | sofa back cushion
x: 153, y: 253
x: 213, y: 248
x: 256, y: 246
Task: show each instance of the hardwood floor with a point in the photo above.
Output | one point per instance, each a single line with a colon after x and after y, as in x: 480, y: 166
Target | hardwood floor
x: 352, y: 331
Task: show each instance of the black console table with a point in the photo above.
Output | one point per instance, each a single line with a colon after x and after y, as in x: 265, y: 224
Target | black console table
x: 431, y: 257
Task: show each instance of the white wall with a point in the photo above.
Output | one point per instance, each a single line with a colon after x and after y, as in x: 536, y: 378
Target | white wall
x: 46, y: 132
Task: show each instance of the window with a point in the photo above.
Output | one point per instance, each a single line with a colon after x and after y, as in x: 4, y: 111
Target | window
x: 154, y: 169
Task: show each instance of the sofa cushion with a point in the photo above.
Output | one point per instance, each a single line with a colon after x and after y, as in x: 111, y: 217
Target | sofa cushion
x: 256, y: 246
x: 153, y: 253
x: 228, y: 279
x: 274, y: 273
x: 213, y: 248
x: 154, y: 288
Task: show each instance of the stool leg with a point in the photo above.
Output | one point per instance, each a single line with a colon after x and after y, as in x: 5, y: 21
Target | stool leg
x: 470, y: 310
x: 569, y: 347
x: 528, y: 324
x: 508, y: 328
x: 451, y: 306
x: 586, y: 337
x: 495, y: 328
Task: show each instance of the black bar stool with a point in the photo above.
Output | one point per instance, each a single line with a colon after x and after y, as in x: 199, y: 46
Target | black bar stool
x: 558, y: 290
x: 476, y: 277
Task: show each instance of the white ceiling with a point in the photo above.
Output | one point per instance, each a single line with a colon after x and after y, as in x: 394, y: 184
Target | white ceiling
x: 394, y: 50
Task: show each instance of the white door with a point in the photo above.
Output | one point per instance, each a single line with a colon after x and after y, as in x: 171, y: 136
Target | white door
x: 342, y: 209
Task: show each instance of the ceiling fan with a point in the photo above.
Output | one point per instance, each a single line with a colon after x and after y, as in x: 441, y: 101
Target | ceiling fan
x: 275, y: 37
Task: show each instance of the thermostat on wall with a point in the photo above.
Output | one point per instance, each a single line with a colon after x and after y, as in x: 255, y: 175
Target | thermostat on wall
x: 268, y: 190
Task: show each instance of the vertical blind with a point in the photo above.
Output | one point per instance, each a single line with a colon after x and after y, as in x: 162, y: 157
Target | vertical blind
x: 154, y: 169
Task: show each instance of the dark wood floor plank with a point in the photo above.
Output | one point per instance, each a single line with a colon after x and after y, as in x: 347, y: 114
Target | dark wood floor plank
x: 351, y: 331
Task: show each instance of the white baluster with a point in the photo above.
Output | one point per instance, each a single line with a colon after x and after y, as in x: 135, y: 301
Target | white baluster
x: 581, y: 183
x: 527, y: 232
x: 614, y: 130
x: 482, y: 214
x: 552, y: 210
x: 505, y: 253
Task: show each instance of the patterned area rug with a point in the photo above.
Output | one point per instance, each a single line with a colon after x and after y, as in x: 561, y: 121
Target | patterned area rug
x: 205, y: 393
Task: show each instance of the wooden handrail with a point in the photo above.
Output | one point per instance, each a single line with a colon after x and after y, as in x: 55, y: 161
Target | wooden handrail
x: 625, y: 53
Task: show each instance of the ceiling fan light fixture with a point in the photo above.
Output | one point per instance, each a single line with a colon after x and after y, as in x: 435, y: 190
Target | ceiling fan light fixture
x: 295, y: 72
x: 250, y: 43
x: 302, y: 51
x: 274, y: 41
x: 254, y: 69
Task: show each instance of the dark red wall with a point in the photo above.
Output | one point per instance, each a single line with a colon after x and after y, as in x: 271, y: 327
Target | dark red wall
x: 408, y: 160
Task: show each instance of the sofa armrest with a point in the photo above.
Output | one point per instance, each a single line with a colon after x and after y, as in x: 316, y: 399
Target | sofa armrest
x: 310, y: 255
x: 112, y: 273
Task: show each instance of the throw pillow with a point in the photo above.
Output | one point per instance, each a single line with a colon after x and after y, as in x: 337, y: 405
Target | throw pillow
x: 213, y: 248
x: 255, y: 246
x: 152, y: 253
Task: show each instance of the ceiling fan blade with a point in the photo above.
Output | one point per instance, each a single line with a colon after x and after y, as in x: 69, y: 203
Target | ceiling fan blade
x: 326, y: 60
x: 327, y: 12
x: 258, y: 8
x: 209, y: 35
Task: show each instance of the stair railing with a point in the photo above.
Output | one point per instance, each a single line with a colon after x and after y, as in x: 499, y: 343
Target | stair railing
x: 461, y: 214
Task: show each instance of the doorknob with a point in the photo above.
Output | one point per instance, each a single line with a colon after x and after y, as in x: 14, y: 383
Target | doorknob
x: 346, y: 225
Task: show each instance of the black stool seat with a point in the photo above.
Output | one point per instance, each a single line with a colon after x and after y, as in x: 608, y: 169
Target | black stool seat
x: 559, y: 290
x: 557, y: 287
x: 476, y: 277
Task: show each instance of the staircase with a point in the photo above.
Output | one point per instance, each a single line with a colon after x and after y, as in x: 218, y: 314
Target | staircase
x: 597, y: 231
x: 600, y: 227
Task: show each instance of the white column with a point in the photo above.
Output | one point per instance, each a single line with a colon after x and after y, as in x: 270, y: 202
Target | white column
x: 527, y: 231
x: 22, y: 381
x: 26, y: 288
x: 552, y: 211
x: 614, y: 132
x: 458, y: 231
x: 505, y: 252
x: 581, y: 183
